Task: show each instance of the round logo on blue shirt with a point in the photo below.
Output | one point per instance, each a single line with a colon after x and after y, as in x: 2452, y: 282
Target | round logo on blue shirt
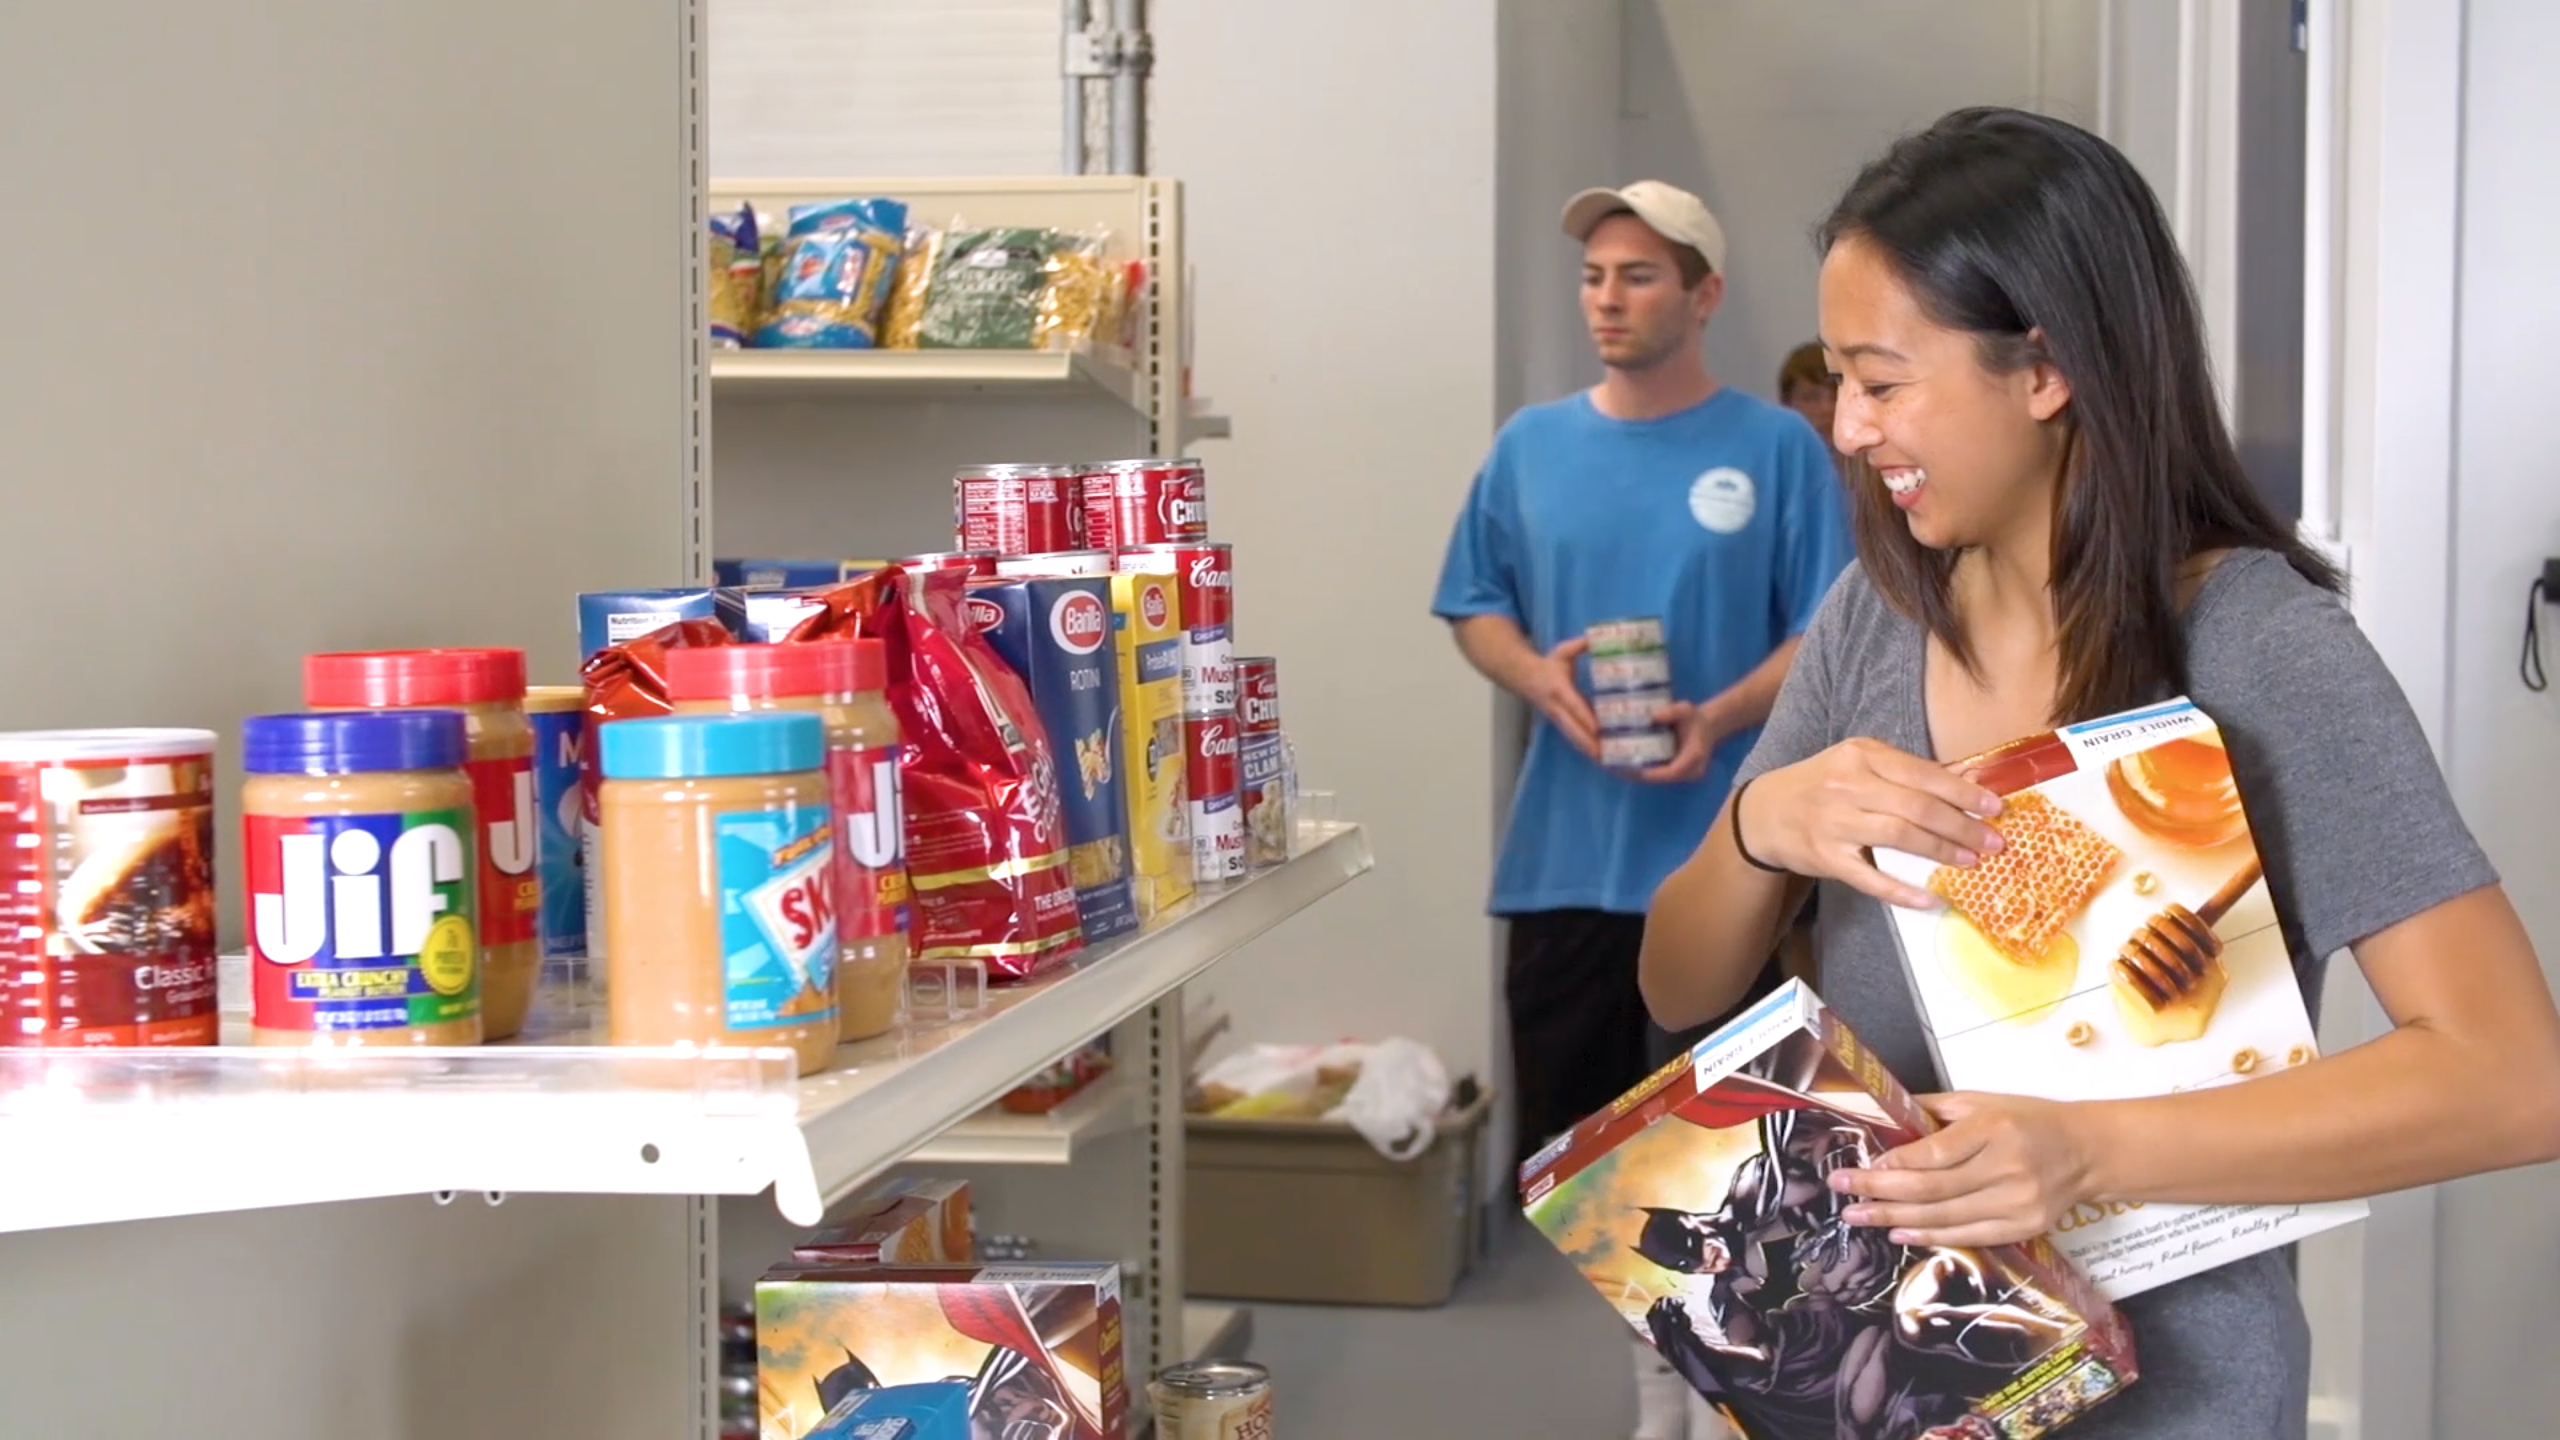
x: 1723, y: 499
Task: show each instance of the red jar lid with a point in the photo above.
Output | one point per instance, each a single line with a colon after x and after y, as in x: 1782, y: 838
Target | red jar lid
x: 810, y: 667
x: 405, y: 679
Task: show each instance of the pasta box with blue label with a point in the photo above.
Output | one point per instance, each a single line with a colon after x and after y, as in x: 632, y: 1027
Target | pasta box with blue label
x: 1056, y: 634
x: 609, y: 617
x: 787, y: 574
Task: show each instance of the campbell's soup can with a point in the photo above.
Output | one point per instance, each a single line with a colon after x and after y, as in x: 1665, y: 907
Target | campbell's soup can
x: 1258, y: 694
x: 1055, y: 565
x: 1204, y: 574
x: 1017, y: 509
x: 1129, y: 503
x: 106, y: 888
x: 1213, y: 1400
x: 1217, y: 812
x: 977, y: 564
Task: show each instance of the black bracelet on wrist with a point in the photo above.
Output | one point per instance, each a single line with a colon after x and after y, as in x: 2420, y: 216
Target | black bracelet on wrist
x: 1734, y: 818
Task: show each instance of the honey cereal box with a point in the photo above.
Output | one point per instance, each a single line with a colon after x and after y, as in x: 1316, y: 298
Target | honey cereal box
x: 1698, y: 1205
x: 2122, y: 944
x: 1037, y: 1347
x: 1146, y: 615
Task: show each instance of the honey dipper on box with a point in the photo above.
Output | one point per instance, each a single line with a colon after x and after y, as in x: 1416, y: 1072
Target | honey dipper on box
x: 2169, y: 975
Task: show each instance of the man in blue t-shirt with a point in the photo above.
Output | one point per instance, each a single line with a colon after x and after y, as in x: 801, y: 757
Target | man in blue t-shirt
x: 1658, y: 492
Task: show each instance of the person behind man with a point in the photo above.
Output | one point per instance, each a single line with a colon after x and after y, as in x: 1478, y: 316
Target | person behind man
x: 1807, y: 386
x: 1656, y: 493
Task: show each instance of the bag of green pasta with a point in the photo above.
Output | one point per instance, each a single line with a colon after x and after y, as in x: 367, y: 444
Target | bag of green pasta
x: 985, y: 293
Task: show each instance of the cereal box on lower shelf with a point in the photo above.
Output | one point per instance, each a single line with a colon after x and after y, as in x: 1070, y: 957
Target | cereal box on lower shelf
x: 1035, y: 1347
x: 1698, y: 1205
x: 900, y: 1222
x: 2123, y: 944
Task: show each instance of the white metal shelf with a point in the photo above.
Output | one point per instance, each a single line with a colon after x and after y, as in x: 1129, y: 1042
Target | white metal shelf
x: 921, y: 374
x: 996, y: 1136
x: 1216, y: 1332
x: 92, y: 1136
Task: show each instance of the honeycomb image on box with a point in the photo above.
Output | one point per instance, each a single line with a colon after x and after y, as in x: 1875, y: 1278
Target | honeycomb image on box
x: 2123, y: 943
x: 1699, y: 1206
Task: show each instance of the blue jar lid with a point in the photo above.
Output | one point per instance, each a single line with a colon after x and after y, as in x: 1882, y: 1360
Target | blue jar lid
x: 354, y: 742
x: 693, y: 747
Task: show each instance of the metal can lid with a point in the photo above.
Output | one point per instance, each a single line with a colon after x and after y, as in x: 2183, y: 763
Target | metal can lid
x: 1215, y: 1379
x: 1014, y: 471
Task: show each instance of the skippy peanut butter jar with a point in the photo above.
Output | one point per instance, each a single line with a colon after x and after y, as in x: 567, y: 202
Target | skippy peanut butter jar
x: 719, y: 881
x: 359, y: 868
x: 486, y: 687
x: 842, y: 682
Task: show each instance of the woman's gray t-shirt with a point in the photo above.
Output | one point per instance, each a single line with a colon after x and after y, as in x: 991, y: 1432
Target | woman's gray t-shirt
x: 2356, y: 828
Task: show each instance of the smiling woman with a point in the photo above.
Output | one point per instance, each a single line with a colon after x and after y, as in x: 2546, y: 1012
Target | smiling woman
x: 2058, y: 528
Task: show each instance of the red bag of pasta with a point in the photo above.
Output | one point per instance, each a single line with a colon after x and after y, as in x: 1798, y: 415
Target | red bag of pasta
x: 986, y: 837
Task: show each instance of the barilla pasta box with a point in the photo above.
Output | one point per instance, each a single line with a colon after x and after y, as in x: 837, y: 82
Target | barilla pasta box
x: 2122, y: 944
x: 1056, y: 634
x: 1146, y: 620
x: 902, y: 1222
x: 1698, y: 1205
x: 609, y: 617
x: 1038, y: 1346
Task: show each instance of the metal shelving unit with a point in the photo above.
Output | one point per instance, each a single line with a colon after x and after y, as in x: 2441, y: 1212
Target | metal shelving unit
x: 775, y: 375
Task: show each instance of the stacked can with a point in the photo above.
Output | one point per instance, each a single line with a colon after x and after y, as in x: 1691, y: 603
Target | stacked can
x: 1262, y: 762
x: 1129, y: 503
x: 1630, y: 683
x: 1017, y: 509
x: 1204, y: 581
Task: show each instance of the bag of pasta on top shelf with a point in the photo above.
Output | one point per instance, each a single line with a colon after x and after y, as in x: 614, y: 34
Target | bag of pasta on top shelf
x: 985, y: 291
x: 835, y: 275
x: 1079, y: 294
x: 905, y: 315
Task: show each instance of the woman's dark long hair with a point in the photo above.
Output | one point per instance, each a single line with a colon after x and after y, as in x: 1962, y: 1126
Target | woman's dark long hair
x: 2043, y: 241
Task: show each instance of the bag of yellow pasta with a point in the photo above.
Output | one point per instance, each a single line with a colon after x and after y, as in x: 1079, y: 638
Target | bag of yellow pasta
x: 835, y: 276
x: 906, y: 294
x: 737, y: 278
x: 1077, y: 294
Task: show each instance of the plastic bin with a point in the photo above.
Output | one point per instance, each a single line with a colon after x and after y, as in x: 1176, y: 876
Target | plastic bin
x: 1306, y: 1211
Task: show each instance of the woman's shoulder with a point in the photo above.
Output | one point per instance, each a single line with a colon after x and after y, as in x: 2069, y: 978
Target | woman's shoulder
x: 2257, y: 615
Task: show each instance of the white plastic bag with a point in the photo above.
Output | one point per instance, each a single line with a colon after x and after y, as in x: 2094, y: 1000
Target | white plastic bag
x: 1396, y: 1102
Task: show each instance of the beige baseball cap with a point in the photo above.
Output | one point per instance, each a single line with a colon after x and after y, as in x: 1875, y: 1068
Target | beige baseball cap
x: 1674, y: 213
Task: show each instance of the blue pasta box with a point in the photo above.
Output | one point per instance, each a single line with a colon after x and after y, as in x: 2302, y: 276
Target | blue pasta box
x: 773, y: 614
x: 609, y: 617
x: 1056, y: 634
x: 786, y: 574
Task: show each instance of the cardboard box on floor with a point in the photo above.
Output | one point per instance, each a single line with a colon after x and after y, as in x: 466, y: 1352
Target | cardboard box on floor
x: 1306, y: 1211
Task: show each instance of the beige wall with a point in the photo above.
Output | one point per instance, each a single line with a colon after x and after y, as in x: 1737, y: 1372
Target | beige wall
x: 1767, y: 108
x: 1340, y: 159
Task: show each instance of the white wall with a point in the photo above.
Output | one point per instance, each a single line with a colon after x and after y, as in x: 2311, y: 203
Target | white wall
x: 1340, y: 165
x: 1767, y: 108
x: 2499, y: 1237
x: 885, y: 87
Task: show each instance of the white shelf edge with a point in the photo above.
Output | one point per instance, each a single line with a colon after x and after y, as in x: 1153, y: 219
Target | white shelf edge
x: 907, y: 1098
x: 818, y: 374
x: 244, y: 1129
x: 999, y: 1137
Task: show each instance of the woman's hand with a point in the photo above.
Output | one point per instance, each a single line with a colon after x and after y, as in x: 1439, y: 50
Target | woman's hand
x: 2005, y: 1170
x: 1820, y: 816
